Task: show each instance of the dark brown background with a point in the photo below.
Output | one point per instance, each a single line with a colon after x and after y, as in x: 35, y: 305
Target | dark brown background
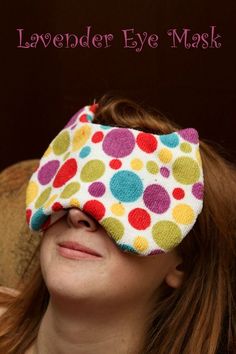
x: 42, y: 88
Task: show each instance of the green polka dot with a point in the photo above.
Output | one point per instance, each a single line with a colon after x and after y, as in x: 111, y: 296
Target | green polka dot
x: 186, y: 170
x: 70, y: 189
x: 166, y: 234
x: 93, y: 170
x: 185, y: 147
x: 152, y: 167
x: 114, y: 227
x: 61, y: 143
x: 43, y: 197
x: 66, y: 155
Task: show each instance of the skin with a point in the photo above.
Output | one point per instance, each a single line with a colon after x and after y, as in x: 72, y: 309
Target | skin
x: 98, y: 305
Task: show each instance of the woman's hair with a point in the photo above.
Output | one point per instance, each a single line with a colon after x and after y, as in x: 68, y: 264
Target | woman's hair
x: 200, y: 316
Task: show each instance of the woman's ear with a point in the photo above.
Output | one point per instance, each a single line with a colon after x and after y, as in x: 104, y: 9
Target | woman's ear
x: 175, y: 276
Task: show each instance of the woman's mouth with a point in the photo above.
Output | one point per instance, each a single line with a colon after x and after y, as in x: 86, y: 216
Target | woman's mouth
x: 74, y: 250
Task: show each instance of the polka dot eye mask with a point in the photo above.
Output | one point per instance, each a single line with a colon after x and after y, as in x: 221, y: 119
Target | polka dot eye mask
x: 146, y: 190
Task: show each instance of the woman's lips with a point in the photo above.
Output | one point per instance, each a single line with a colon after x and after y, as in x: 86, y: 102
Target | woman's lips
x: 74, y: 250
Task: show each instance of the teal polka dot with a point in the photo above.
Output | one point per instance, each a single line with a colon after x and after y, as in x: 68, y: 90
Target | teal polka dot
x: 38, y: 219
x: 85, y: 151
x: 170, y: 140
x: 126, y: 186
x: 105, y: 127
x: 89, y: 117
x: 123, y: 247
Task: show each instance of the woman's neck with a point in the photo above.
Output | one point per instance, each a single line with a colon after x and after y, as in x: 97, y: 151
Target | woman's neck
x: 84, y: 328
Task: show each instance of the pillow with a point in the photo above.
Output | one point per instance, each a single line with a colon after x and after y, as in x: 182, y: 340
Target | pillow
x: 17, y: 243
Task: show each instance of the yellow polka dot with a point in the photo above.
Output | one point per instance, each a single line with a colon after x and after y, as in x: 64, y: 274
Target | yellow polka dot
x: 113, y: 227
x: 92, y: 170
x: 166, y: 234
x: 118, y: 209
x: 31, y: 192
x: 185, y: 147
x: 198, y: 157
x: 152, y: 167
x: 136, y: 164
x: 51, y: 200
x: 74, y: 202
x: 186, y: 170
x: 70, y: 189
x: 81, y: 136
x: 48, y: 151
x: 165, y: 155
x: 42, y: 199
x: 140, y: 243
x: 183, y: 214
x: 61, y: 143
x: 66, y: 155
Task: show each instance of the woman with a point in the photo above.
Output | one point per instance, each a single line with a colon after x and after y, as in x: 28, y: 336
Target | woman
x: 179, y: 302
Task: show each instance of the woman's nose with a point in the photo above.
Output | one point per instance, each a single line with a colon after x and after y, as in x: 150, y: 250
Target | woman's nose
x: 77, y: 218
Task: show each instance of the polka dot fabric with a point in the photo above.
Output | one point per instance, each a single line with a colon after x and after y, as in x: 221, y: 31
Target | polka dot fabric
x: 146, y: 190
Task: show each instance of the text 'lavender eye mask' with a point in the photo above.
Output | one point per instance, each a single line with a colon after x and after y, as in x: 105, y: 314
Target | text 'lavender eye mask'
x: 146, y: 190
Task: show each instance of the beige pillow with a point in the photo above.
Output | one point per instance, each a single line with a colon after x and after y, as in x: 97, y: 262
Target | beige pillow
x: 17, y: 243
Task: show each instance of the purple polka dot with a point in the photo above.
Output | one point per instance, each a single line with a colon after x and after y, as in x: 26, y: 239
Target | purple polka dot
x: 48, y: 171
x: 156, y: 198
x: 155, y: 252
x: 73, y: 119
x: 165, y: 172
x: 97, y: 189
x: 190, y: 135
x: 197, y: 190
x: 118, y: 142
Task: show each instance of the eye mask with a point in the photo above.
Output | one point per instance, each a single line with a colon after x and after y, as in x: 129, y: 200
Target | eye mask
x: 146, y: 190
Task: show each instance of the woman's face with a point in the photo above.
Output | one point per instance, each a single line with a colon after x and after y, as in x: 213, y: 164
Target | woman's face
x: 114, y: 278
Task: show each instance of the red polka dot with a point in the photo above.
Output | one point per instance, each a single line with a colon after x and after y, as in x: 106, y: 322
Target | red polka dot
x: 46, y: 223
x: 83, y: 118
x: 28, y: 215
x: 57, y: 206
x: 97, y: 137
x: 115, y: 164
x: 94, y: 107
x: 66, y: 172
x: 139, y: 218
x: 95, y: 208
x: 178, y: 193
x: 146, y: 142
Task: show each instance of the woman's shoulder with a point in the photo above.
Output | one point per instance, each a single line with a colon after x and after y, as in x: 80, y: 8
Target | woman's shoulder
x: 6, y: 290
